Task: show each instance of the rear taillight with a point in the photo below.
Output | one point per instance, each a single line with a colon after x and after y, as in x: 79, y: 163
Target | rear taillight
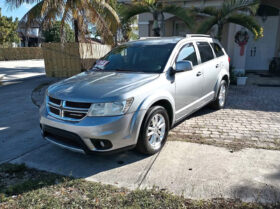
x: 228, y: 59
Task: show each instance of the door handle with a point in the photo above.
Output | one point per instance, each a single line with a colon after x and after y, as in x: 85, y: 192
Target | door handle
x: 199, y: 73
x: 217, y: 65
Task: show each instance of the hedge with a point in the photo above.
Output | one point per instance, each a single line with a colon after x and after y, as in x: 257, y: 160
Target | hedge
x: 22, y: 53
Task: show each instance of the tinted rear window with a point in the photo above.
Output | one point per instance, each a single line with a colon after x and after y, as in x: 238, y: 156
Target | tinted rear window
x: 205, y: 51
x: 217, y: 49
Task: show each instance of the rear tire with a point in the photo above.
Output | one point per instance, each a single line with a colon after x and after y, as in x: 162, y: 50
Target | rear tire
x: 154, y: 131
x: 220, y: 101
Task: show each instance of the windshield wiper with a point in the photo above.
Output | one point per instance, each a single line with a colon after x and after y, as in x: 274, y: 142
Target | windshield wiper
x: 123, y: 70
x: 97, y: 68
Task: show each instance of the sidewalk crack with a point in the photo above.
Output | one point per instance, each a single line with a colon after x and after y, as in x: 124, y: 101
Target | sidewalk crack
x: 148, y: 170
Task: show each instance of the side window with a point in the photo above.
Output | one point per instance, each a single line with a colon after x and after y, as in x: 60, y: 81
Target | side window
x: 217, y: 49
x: 205, y: 51
x: 188, y: 53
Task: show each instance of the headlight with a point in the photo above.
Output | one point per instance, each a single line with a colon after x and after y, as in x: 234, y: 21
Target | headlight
x: 110, y: 108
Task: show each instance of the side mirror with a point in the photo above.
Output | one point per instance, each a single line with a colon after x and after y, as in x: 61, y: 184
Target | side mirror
x: 183, y: 66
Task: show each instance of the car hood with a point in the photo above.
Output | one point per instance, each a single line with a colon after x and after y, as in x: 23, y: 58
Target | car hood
x: 96, y: 86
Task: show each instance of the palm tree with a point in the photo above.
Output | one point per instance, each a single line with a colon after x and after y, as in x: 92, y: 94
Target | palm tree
x: 82, y: 12
x: 232, y: 11
x: 156, y: 8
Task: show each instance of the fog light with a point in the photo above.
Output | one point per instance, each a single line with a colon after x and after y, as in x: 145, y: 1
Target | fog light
x: 101, y: 144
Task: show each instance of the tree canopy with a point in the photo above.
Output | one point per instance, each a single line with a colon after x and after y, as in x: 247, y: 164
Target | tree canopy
x: 157, y: 8
x: 53, y: 33
x: 80, y: 12
x: 8, y: 31
x: 239, y: 12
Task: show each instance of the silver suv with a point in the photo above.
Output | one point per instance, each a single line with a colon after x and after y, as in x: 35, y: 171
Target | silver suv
x: 135, y: 94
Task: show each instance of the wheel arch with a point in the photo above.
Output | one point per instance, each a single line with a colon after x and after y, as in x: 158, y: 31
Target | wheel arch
x: 164, y: 99
x: 167, y: 105
x: 224, y: 75
x: 226, y: 78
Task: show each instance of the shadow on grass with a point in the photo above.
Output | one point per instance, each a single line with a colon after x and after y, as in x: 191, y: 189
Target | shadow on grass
x: 17, y: 179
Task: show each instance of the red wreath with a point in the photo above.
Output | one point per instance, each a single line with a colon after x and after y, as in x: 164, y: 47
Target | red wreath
x: 241, y: 38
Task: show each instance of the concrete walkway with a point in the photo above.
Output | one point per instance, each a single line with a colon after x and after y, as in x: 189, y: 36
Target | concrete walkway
x: 193, y: 170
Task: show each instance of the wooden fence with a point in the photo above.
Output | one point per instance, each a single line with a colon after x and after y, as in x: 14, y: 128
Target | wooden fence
x: 71, y: 58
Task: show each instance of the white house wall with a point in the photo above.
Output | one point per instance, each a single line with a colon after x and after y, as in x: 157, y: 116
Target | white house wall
x: 266, y: 48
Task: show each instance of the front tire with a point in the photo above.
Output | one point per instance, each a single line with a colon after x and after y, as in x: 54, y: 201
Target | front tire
x: 220, y: 101
x: 154, y: 131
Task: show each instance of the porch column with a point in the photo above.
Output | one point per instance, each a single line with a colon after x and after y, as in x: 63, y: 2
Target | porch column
x: 143, y: 29
x: 144, y: 24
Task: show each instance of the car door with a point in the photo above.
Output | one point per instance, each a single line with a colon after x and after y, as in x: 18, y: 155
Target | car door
x: 210, y: 67
x: 189, y: 84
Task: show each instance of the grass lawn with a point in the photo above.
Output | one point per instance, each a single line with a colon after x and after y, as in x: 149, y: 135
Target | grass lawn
x: 22, y: 187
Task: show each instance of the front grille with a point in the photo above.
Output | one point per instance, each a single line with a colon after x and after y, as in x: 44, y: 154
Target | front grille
x: 78, y: 105
x: 67, y: 110
x: 54, y: 110
x: 55, y: 101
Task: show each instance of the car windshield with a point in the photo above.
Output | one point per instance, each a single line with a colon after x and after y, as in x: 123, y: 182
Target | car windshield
x: 148, y: 58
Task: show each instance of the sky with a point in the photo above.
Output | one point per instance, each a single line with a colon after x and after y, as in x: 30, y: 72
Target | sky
x: 18, y: 12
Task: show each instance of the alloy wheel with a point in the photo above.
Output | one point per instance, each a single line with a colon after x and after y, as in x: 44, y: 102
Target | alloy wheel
x: 156, y: 131
x: 222, y: 95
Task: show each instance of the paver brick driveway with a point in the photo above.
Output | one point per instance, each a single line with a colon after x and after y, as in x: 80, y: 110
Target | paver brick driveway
x: 251, y: 119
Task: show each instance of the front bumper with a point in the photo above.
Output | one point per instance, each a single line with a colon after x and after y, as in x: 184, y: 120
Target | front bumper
x: 91, y: 133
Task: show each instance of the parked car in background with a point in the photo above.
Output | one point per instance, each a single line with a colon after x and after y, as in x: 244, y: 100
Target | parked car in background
x: 134, y: 95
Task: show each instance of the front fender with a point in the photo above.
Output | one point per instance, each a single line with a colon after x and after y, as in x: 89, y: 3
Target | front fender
x: 151, y: 99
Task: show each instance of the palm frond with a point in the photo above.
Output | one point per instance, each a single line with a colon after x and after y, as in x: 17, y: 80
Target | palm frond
x: 98, y: 12
x: 206, y: 25
x: 66, y: 17
x: 33, y: 13
x: 252, y: 9
x: 66, y: 13
x: 212, y: 11
x: 102, y: 27
x: 18, y: 3
x: 181, y: 13
x: 248, y: 22
x: 235, y: 5
x: 51, y: 15
x: 109, y: 14
x: 131, y: 10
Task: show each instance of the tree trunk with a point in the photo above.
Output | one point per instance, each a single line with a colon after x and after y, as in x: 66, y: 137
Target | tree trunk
x: 220, y: 31
x: 156, y: 27
x: 76, y: 30
x: 162, y: 29
x: 116, y: 38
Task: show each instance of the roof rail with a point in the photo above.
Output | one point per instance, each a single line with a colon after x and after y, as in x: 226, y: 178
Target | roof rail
x: 149, y: 37
x: 197, y: 35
